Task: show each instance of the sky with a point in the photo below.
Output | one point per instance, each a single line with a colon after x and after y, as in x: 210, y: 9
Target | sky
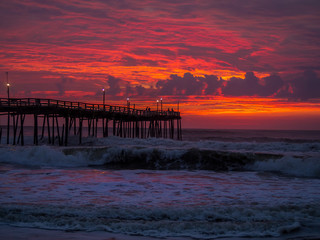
x: 227, y: 64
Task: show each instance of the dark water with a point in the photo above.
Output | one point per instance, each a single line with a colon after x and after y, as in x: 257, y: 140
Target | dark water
x: 214, y: 184
x: 240, y: 135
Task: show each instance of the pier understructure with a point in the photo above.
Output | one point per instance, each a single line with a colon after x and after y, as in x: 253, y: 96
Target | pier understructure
x: 57, y: 120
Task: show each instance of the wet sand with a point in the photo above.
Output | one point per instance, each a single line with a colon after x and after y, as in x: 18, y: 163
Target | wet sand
x: 21, y: 233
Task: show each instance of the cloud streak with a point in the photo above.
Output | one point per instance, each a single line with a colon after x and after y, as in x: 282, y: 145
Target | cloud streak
x: 253, y: 36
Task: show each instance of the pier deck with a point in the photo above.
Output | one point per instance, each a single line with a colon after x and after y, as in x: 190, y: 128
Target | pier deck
x: 62, y: 118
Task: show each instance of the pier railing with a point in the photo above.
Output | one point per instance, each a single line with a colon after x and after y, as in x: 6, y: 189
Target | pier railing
x: 41, y: 102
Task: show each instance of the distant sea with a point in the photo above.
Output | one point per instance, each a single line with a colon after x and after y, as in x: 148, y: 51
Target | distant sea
x: 228, y: 184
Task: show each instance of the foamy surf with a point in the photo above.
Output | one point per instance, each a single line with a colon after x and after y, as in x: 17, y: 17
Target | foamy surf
x: 195, y: 204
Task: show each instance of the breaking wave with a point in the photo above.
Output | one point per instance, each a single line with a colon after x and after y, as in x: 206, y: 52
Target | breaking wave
x: 301, y: 160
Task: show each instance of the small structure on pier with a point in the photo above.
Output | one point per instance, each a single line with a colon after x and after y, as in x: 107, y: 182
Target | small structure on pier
x: 60, y: 119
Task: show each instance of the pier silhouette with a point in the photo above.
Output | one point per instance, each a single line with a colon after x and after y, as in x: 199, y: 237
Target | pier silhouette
x: 60, y: 119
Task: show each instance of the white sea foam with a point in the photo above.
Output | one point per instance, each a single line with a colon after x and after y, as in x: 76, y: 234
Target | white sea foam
x: 291, y: 165
x: 205, y: 223
x: 42, y: 156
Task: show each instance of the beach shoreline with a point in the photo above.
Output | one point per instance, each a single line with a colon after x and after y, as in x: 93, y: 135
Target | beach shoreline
x: 23, y: 233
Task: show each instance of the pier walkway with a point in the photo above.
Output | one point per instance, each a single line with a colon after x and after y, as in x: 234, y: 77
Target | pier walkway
x: 60, y: 119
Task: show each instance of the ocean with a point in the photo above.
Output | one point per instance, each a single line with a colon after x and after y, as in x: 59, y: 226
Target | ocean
x: 225, y: 184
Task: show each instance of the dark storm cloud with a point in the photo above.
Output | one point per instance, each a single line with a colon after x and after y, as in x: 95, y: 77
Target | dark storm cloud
x: 14, y: 14
x: 270, y: 8
x: 63, y: 85
x: 188, y: 85
x: 272, y: 85
x: 140, y: 91
x: 249, y: 86
x: 305, y: 86
x: 253, y: 86
x: 212, y: 84
x: 114, y: 85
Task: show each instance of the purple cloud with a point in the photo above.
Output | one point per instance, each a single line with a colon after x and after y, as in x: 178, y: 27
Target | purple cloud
x: 305, y: 86
x: 114, y: 85
x: 188, y: 85
x: 249, y: 86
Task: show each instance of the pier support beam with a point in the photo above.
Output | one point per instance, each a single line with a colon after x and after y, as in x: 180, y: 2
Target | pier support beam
x: 35, y: 129
x: 8, y: 128
x: 66, y: 131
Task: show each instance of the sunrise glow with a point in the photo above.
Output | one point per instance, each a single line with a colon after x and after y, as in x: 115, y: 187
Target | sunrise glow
x: 245, y: 64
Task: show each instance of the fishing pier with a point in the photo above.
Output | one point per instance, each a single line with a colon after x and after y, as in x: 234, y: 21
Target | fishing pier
x: 57, y: 120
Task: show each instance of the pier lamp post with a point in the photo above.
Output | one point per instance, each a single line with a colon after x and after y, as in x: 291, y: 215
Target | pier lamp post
x: 8, y: 86
x: 128, y: 103
x: 103, y: 98
x: 8, y: 91
x: 161, y: 103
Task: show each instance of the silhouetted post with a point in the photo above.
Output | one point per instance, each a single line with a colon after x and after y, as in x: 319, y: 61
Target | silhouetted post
x: 53, y: 129
x: 48, y: 128
x: 22, y: 117
x: 15, y: 127
x: 66, y: 131
x: 80, y: 130
x: 58, y: 131
x: 35, y: 130
x: 8, y: 128
x: 104, y: 108
x: 75, y: 126
x: 96, y: 129
x: 89, y: 127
